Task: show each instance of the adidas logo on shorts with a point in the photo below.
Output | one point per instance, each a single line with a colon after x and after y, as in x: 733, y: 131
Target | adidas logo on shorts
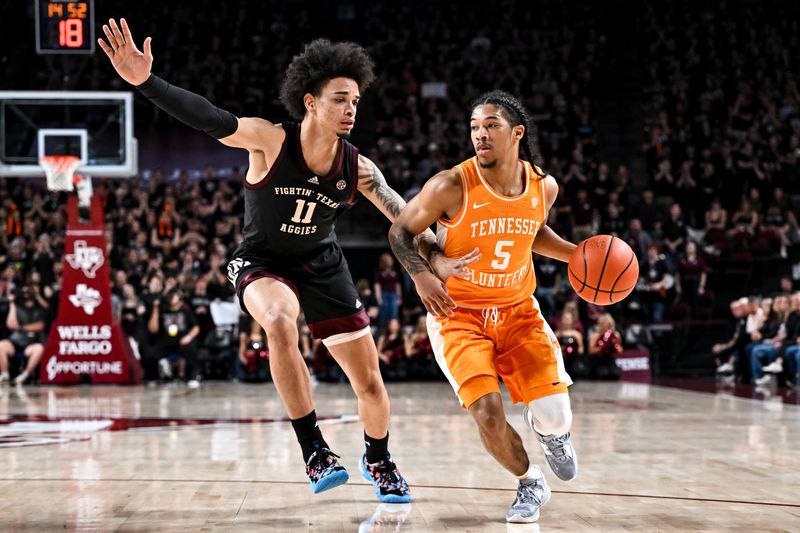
x: 234, y: 267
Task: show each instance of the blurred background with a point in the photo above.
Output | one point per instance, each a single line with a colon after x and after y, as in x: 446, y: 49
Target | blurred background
x: 672, y: 125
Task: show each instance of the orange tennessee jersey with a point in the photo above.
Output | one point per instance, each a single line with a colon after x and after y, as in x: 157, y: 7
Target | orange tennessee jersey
x: 503, y: 227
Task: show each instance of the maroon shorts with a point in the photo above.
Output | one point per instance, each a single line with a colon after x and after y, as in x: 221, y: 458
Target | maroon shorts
x: 322, y: 284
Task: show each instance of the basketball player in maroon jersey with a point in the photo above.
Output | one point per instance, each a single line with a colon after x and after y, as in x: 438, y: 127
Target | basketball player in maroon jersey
x: 301, y: 178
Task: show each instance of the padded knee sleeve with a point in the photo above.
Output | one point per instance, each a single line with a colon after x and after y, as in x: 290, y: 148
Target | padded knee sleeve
x: 552, y: 415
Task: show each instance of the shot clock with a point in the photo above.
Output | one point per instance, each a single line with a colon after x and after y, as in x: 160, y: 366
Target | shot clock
x: 64, y: 26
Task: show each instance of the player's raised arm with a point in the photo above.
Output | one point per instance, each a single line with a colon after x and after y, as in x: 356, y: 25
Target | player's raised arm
x: 548, y: 242
x: 135, y: 67
x: 441, y: 195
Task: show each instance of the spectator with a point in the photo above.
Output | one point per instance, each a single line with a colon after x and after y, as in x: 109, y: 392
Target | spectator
x: 674, y: 231
x: 392, y: 351
x: 200, y: 304
x: 690, y: 278
x: 253, y: 360
x: 571, y: 341
x: 612, y: 222
x: 791, y: 343
x: 664, y: 181
x: 604, y: 343
x: 772, y: 334
x: 601, y: 185
x: 716, y: 223
x: 687, y: 193
x: 785, y: 284
x: 323, y: 366
x: 647, y: 212
x: 6, y: 290
x: 388, y: 290
x: 26, y: 324
x: 744, y: 224
x: 727, y: 353
x: 367, y: 299
x: 421, y: 361
x: 757, y: 313
x: 637, y: 238
x: 762, y: 339
x: 218, y: 285
x: 584, y: 217
x: 548, y: 283
x: 175, y: 330
x: 779, y: 225
x: 42, y: 259
x: 131, y: 319
x: 656, y: 283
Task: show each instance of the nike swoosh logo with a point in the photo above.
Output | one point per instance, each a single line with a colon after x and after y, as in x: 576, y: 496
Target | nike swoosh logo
x: 478, y: 206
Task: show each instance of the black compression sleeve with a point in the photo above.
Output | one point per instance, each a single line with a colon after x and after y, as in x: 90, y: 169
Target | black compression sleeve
x: 188, y: 107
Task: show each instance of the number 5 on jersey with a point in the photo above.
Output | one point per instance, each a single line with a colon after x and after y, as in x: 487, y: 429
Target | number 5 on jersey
x: 298, y: 217
x: 503, y: 257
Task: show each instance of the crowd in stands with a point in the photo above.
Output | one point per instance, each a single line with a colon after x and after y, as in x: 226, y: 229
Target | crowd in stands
x: 765, y: 342
x: 721, y: 144
x: 722, y: 131
x: 168, y: 244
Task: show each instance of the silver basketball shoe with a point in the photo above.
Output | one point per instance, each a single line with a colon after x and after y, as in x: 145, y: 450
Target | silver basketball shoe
x: 532, y: 494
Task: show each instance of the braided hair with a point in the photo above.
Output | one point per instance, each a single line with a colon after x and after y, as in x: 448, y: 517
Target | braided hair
x: 517, y: 115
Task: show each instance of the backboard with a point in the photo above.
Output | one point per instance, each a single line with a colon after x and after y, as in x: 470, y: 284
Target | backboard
x: 97, y: 127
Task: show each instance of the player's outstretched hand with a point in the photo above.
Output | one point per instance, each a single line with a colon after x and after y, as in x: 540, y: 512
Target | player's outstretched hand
x: 132, y: 65
x: 434, y: 295
x: 445, y: 267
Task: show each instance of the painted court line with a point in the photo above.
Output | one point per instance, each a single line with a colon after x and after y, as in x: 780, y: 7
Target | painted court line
x: 437, y: 487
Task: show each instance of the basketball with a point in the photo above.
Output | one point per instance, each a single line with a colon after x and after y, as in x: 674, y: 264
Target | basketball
x: 603, y: 270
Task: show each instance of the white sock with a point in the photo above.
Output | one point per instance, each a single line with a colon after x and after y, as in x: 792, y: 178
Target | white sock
x: 534, y: 472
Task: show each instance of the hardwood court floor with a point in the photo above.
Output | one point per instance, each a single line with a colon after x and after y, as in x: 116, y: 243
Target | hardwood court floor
x: 222, y: 458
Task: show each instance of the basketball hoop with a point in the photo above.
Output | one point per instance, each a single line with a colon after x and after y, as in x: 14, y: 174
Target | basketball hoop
x: 60, y: 170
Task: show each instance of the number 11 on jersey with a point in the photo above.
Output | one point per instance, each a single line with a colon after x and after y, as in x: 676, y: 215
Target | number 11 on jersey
x: 298, y: 217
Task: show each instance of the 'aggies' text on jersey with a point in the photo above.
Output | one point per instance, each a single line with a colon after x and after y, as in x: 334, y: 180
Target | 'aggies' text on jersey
x: 292, y: 211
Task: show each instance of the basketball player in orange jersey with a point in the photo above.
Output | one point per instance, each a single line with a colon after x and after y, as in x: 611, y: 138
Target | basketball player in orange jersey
x: 497, y: 200
x: 301, y: 178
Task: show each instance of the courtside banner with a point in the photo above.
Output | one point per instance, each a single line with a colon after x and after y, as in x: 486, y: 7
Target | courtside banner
x: 84, y: 345
x: 635, y: 366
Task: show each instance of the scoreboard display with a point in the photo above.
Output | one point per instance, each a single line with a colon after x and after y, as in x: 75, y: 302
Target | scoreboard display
x: 64, y: 26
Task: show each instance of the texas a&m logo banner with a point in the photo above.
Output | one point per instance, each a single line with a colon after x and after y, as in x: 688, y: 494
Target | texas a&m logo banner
x: 84, y: 345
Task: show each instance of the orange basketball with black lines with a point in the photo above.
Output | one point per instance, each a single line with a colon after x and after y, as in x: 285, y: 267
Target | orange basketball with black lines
x: 603, y: 270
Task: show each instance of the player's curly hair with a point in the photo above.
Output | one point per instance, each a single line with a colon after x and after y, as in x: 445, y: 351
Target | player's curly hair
x: 517, y: 115
x: 320, y: 61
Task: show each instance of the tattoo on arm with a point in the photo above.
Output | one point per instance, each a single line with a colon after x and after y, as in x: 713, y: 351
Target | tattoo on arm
x: 402, y: 243
x: 392, y: 202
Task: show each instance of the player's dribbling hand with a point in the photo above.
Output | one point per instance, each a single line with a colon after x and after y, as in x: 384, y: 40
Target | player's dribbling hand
x: 445, y: 267
x: 434, y: 295
x: 132, y: 65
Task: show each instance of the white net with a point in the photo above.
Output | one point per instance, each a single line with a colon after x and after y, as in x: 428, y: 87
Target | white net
x: 60, y: 170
